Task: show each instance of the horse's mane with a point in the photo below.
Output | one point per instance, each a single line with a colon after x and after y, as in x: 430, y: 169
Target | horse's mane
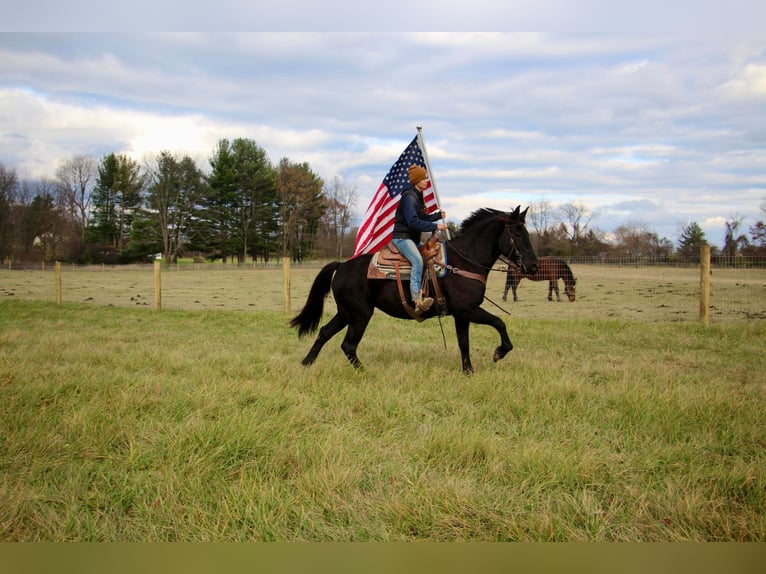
x: 479, y: 217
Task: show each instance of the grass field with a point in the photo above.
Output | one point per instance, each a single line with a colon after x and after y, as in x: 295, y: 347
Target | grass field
x: 121, y: 423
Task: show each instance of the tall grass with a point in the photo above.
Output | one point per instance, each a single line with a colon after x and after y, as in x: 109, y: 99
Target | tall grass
x: 122, y: 424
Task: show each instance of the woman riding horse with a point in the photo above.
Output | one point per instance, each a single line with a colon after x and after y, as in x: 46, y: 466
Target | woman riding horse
x: 484, y: 237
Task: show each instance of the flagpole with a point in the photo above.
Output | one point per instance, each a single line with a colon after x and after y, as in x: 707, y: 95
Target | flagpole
x: 422, y: 145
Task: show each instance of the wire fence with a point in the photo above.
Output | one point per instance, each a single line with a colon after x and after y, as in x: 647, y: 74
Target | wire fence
x: 642, y: 289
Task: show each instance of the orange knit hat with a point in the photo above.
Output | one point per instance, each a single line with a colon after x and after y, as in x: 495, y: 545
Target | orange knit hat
x: 417, y: 174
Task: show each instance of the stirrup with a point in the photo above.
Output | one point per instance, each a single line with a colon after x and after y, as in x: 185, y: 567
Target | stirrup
x: 423, y: 304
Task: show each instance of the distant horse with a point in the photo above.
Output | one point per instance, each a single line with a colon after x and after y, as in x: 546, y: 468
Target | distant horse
x: 484, y: 236
x: 551, y: 269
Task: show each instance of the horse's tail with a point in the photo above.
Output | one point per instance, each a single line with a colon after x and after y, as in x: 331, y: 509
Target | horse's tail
x: 308, y: 319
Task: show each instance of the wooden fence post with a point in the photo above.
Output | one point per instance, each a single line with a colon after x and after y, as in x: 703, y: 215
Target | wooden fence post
x: 705, y: 284
x: 157, y: 284
x: 286, y: 284
x: 57, y: 268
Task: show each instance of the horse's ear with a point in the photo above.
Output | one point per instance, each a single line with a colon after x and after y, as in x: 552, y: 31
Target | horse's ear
x: 515, y: 213
x: 523, y: 214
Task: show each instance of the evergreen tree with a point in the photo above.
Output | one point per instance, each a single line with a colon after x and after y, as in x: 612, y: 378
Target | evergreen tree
x: 39, y: 226
x: 241, y: 206
x: 8, y: 184
x: 691, y: 239
x: 116, y: 197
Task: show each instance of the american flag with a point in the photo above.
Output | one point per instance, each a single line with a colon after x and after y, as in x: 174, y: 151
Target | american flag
x: 377, y: 227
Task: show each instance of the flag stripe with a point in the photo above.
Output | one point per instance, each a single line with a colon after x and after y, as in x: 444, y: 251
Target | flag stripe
x: 377, y: 227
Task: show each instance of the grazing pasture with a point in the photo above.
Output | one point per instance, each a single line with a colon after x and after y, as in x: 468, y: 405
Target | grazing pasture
x: 197, y: 422
x: 665, y: 294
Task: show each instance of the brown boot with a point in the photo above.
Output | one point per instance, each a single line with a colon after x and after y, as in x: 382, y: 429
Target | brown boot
x: 423, y: 304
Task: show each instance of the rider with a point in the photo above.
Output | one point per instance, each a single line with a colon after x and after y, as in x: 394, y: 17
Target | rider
x: 410, y: 221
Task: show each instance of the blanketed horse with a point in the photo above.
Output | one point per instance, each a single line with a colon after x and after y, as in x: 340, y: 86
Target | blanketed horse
x: 484, y: 236
x: 551, y: 269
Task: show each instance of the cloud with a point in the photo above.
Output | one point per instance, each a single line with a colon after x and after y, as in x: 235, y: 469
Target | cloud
x: 635, y: 126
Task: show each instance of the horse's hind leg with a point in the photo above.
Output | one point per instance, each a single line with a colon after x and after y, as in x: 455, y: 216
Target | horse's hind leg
x: 326, y: 333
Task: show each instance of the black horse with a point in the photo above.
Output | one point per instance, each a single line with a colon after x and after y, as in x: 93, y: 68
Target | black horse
x: 484, y: 236
x: 551, y: 269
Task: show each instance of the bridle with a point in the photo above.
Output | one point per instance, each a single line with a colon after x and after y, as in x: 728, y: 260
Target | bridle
x: 513, y: 253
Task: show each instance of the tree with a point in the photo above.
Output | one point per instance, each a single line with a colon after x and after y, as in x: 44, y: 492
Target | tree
x: 636, y: 239
x: 541, y: 217
x: 593, y: 243
x: 116, y: 197
x: 302, y: 205
x: 575, y: 218
x: 242, y: 204
x: 691, y: 239
x: 758, y: 233
x: 8, y: 188
x: 40, y: 226
x: 734, y: 241
x: 75, y: 178
x: 175, y: 191
x: 340, y: 200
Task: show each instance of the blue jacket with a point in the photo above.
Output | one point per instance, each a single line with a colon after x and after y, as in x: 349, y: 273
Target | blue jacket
x: 411, y: 219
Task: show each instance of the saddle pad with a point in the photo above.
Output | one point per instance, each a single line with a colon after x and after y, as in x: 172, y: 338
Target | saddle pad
x: 382, y: 264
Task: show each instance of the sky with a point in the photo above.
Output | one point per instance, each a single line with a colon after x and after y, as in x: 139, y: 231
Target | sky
x: 653, y: 129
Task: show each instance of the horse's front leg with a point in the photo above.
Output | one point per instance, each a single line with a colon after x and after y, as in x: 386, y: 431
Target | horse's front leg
x: 463, y: 343
x: 482, y: 317
x: 551, y: 287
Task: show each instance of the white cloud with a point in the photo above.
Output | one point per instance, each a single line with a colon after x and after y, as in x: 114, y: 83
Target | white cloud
x: 748, y: 84
x: 508, y: 118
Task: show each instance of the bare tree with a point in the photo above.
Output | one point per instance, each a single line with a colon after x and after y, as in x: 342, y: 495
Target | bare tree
x: 341, y: 200
x: 637, y: 239
x: 734, y: 241
x: 575, y: 218
x: 541, y: 217
x: 75, y: 178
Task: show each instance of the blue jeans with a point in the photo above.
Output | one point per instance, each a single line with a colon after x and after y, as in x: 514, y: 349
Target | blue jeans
x: 408, y: 248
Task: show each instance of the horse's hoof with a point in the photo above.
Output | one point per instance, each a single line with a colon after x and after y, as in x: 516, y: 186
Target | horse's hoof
x: 501, y: 352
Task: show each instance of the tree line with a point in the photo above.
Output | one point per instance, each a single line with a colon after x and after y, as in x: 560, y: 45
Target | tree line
x: 566, y: 231
x: 243, y: 207
x: 118, y: 211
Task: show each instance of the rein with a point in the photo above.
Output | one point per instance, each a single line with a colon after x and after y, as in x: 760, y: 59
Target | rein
x: 477, y: 276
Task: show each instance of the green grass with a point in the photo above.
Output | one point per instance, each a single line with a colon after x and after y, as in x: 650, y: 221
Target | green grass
x: 123, y: 424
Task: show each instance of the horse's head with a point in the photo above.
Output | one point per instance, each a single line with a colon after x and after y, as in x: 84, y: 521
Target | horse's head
x: 515, y: 244
x: 569, y: 289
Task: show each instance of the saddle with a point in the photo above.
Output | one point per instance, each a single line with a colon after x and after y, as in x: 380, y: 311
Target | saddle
x: 384, y: 263
x: 389, y: 263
